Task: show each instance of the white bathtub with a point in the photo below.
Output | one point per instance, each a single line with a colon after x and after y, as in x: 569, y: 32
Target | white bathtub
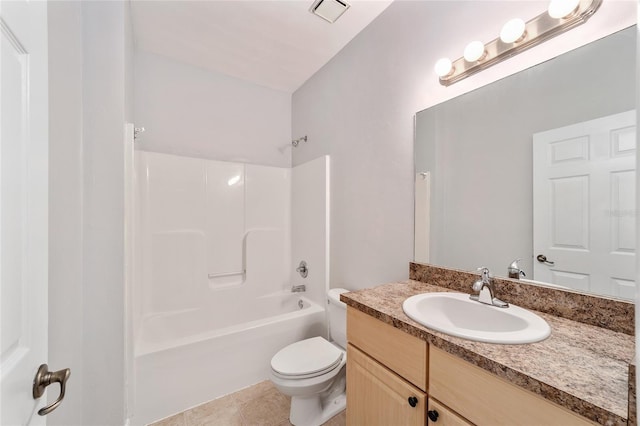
x: 185, y: 358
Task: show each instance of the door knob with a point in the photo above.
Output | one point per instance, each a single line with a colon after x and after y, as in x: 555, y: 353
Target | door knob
x: 543, y: 259
x: 433, y: 415
x: 44, y: 378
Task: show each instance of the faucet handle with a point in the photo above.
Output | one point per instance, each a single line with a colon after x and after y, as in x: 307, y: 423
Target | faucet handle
x: 485, y: 290
x: 485, y: 274
x: 302, y: 269
x: 484, y: 280
x: 514, y: 270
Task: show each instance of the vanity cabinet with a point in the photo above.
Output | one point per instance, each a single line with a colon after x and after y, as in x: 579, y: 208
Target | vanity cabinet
x: 386, y: 374
x: 402, y: 353
x: 377, y: 396
x: 394, y: 378
x: 443, y: 415
x: 484, y: 398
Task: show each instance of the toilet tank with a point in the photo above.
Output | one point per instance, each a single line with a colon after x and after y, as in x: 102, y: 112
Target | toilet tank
x: 337, y: 314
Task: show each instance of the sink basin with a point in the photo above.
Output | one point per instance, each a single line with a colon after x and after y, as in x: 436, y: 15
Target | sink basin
x: 457, y: 315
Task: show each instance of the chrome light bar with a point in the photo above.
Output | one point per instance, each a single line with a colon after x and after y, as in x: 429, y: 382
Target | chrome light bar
x: 537, y: 30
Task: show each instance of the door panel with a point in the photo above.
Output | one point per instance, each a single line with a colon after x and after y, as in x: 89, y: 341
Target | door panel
x: 623, y: 240
x: 23, y: 206
x: 584, y: 205
x: 570, y: 207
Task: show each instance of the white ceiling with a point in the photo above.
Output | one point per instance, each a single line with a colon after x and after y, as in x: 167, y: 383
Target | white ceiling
x: 273, y: 43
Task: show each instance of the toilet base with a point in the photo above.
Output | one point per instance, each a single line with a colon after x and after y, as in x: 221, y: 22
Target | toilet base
x: 314, y: 411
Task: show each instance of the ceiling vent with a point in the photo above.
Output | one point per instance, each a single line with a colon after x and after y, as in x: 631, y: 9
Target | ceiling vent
x: 329, y: 10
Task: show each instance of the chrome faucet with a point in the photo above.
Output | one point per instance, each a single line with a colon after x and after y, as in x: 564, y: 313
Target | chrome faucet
x: 298, y: 288
x: 515, y: 271
x: 484, y: 287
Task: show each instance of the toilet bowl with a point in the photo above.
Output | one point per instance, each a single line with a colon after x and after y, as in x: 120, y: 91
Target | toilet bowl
x: 313, y: 371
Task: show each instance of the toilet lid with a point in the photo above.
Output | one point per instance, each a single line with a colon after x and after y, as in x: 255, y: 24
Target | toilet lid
x: 310, y: 357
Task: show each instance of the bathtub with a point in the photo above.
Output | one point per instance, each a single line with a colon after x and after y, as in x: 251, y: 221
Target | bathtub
x: 185, y: 358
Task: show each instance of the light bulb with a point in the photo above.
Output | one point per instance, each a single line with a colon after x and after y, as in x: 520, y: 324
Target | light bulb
x: 443, y: 67
x: 562, y: 8
x: 512, y: 31
x: 474, y: 51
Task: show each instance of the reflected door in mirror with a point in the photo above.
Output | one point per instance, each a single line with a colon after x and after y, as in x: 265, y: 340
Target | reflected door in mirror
x: 584, y: 205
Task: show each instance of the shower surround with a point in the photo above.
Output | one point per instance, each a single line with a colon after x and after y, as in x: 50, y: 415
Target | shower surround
x: 214, y: 266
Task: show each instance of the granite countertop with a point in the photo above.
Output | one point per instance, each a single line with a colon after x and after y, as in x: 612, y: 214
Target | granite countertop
x: 581, y: 367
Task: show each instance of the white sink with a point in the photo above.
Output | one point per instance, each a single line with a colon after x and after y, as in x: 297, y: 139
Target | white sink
x: 457, y: 315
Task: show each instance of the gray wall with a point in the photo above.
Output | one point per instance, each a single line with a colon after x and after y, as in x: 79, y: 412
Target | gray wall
x: 104, y: 97
x: 359, y: 109
x: 199, y: 113
x: 352, y: 110
x: 478, y: 147
x: 89, y: 102
x: 65, y: 205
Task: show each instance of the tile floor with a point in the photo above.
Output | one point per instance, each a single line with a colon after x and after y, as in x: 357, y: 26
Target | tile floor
x: 257, y: 405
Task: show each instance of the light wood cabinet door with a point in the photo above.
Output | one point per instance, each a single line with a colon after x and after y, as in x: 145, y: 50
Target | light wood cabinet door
x: 486, y: 399
x: 402, y: 353
x: 440, y: 415
x: 378, y: 397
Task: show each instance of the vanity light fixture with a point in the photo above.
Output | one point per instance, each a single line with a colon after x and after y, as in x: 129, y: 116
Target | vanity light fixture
x: 559, y: 9
x: 444, y: 67
x: 513, y: 31
x: 516, y: 36
x: 474, y: 52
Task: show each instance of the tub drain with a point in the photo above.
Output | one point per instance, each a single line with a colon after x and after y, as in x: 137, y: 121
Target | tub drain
x: 300, y: 304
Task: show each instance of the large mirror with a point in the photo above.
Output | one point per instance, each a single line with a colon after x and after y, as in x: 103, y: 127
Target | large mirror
x: 481, y: 201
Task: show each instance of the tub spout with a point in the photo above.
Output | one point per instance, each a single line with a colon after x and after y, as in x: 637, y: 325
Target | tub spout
x: 298, y: 288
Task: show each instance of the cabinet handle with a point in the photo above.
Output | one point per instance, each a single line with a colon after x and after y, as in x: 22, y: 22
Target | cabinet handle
x: 433, y: 415
x: 413, y: 401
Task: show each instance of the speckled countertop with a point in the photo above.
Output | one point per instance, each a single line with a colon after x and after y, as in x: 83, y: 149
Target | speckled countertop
x: 581, y: 367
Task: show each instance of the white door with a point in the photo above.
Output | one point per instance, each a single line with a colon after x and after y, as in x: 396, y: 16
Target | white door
x: 23, y: 207
x: 584, y: 205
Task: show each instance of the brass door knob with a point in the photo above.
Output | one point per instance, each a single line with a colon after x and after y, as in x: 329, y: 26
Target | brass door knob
x: 44, y: 378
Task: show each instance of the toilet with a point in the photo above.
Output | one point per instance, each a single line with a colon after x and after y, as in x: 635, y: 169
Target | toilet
x: 313, y: 371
